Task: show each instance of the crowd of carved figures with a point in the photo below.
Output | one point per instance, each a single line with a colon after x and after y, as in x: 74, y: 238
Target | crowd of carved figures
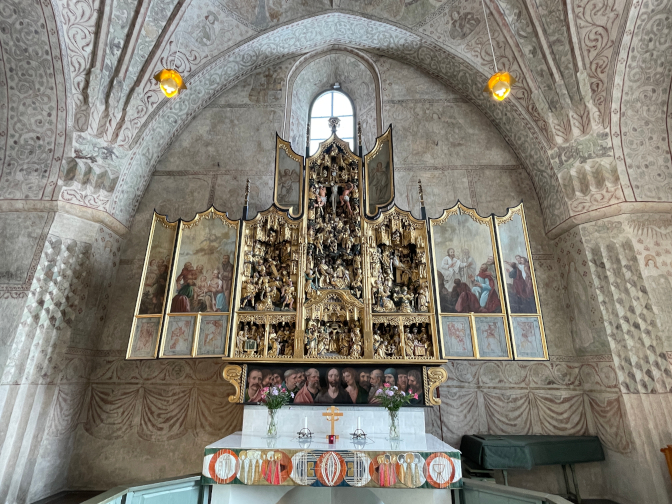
x: 251, y: 340
x: 334, y: 339
x: 388, y: 342
x: 398, y: 262
x: 270, y: 267
x: 334, y: 224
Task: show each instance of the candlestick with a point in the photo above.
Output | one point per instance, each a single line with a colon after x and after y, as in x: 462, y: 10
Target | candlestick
x: 359, y: 422
x: 305, y: 422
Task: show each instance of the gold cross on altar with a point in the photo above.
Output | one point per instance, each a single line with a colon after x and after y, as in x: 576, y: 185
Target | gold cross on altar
x: 334, y: 414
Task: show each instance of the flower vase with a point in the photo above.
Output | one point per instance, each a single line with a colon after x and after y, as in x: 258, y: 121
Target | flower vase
x: 272, y: 431
x: 394, y: 425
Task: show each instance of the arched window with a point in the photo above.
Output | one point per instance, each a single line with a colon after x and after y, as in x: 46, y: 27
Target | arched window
x: 331, y: 104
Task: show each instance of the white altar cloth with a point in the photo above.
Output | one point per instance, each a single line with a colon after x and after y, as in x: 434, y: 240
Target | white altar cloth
x: 407, y: 443
x: 374, y: 420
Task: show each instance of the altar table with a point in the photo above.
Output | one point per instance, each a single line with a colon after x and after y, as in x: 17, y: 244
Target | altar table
x: 416, y: 461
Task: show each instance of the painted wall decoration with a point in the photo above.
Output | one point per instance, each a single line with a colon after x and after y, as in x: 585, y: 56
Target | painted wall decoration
x: 520, y: 285
x: 151, y: 298
x: 288, y: 178
x: 379, y: 174
x: 468, y: 285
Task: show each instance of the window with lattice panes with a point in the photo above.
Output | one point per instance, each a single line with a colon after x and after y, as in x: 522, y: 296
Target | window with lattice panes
x: 331, y: 104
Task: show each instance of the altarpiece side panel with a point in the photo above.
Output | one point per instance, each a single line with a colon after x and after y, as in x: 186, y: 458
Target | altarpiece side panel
x: 266, y: 301
x: 468, y: 286
x: 379, y: 165
x: 288, y: 191
x: 150, y: 305
x: 399, y: 287
x: 520, y: 286
x: 198, y: 315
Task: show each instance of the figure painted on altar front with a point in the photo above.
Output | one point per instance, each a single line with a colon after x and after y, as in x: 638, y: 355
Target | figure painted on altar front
x: 527, y: 337
x: 333, y: 385
x: 308, y: 393
x: 457, y: 336
x: 145, y: 337
x: 357, y: 393
x: 415, y: 386
x: 212, y: 335
x: 288, y: 182
x: 154, y: 287
x: 491, y: 337
x: 450, y: 268
x: 155, y: 281
x: 179, y: 336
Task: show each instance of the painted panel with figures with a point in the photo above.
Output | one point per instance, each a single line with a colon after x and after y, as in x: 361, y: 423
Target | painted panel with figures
x: 202, y: 280
x: 380, y: 174
x: 151, y: 301
x: 468, y: 285
x: 520, y: 287
x: 288, y: 177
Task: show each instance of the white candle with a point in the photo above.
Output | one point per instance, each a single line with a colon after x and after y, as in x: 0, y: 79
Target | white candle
x: 305, y: 422
x: 359, y: 422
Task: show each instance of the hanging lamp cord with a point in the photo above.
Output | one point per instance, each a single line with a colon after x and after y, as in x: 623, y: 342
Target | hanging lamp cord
x: 179, y: 39
x: 485, y: 14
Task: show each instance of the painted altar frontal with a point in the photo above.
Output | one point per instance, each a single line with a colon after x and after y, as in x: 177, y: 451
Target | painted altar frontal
x: 416, y: 461
x: 334, y: 273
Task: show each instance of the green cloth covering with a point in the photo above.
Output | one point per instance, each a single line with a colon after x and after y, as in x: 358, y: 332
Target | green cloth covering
x: 525, y: 452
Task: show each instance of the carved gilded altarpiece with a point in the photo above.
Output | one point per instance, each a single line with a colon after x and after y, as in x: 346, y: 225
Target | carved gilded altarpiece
x: 316, y: 279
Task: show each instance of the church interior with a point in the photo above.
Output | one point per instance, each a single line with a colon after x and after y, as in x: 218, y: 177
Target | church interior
x: 203, y: 200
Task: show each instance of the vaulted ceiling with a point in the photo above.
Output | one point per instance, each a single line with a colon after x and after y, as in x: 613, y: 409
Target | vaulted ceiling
x: 82, y: 121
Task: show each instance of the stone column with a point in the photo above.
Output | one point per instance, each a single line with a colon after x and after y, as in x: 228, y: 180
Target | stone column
x: 31, y: 468
x: 615, y: 248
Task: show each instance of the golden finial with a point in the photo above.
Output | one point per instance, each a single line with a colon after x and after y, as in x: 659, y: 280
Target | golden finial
x: 247, y: 192
x: 359, y: 132
x: 422, y: 196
